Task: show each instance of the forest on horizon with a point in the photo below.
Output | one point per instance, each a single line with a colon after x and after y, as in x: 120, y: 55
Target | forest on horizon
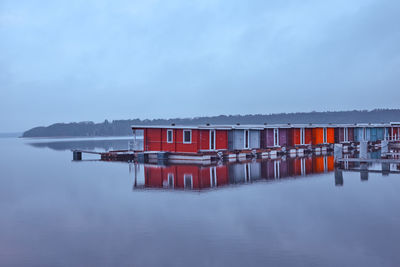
x: 122, y: 127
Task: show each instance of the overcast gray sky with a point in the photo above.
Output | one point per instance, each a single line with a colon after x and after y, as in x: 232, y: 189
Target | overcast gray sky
x: 74, y: 60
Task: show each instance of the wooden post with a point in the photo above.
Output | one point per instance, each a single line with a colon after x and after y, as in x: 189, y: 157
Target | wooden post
x: 77, y: 155
x: 338, y: 151
x: 338, y: 177
x: 363, y: 149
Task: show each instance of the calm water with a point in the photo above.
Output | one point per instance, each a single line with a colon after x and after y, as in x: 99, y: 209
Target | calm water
x: 291, y: 212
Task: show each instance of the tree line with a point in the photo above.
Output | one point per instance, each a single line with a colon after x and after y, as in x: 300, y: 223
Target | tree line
x: 122, y: 127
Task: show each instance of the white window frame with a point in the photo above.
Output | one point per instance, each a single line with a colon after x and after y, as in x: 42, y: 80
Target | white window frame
x: 215, y: 137
x: 183, y: 136
x: 346, y: 134
x: 191, y: 180
x: 172, y: 136
x: 276, y: 136
x: 248, y: 139
x: 302, y: 136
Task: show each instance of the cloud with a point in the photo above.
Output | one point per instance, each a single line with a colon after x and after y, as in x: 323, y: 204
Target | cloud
x: 189, y: 58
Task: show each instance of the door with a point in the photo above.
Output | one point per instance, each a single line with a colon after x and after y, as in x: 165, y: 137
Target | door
x: 212, y: 139
x: 276, y: 137
x: 325, y: 136
x: 246, y: 139
x: 302, y: 136
x: 346, y: 134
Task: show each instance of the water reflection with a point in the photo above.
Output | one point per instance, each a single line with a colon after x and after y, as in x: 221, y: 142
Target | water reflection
x: 195, y: 177
x: 365, y: 169
x: 56, y: 212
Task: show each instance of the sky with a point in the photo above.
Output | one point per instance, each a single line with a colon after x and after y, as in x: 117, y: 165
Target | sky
x: 74, y: 60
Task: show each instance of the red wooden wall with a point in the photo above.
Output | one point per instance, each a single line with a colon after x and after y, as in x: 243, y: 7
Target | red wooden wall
x: 156, y: 140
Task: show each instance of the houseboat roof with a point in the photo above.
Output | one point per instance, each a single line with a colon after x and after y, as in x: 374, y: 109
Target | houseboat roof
x: 264, y: 126
x: 189, y: 127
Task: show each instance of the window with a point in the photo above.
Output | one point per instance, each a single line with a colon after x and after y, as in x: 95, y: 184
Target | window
x: 188, y: 181
x: 276, y: 137
x: 325, y: 137
x: 364, y: 134
x: 346, y: 134
x: 170, y: 136
x: 187, y: 136
x: 246, y: 139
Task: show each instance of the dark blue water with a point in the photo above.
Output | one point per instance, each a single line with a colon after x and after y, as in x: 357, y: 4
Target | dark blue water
x: 56, y: 212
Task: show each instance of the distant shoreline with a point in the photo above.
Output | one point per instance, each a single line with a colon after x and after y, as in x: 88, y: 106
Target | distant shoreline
x: 123, y: 127
x: 11, y: 135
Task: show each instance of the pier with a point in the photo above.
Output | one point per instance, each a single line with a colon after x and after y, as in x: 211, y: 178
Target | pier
x: 114, y: 155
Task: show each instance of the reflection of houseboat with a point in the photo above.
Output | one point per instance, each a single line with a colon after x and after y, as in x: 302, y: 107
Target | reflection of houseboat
x: 201, y: 177
x: 180, y: 176
x: 244, y: 172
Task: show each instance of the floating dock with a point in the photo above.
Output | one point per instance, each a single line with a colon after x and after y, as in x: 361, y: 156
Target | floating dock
x: 203, y: 144
x: 115, y: 155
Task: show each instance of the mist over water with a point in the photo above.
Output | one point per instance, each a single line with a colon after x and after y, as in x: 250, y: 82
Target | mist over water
x: 57, y: 212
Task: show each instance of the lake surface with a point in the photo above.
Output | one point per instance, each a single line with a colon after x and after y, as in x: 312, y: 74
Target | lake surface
x: 289, y: 212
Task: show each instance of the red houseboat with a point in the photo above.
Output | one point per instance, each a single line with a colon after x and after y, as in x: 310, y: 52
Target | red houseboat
x: 193, y: 139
